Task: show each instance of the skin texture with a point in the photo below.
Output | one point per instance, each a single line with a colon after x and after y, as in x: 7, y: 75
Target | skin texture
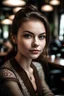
x: 30, y: 37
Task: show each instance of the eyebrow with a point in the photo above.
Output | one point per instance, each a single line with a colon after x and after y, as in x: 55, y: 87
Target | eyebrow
x: 33, y: 33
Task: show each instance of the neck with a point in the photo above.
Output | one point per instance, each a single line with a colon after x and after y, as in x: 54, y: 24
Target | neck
x: 23, y: 62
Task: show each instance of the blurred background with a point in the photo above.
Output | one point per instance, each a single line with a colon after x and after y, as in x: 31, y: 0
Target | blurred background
x: 54, y: 11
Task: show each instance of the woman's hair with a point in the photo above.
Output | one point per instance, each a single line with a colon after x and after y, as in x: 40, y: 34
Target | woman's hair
x: 30, y: 12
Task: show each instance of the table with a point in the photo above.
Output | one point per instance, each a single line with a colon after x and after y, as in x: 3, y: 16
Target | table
x: 57, y: 62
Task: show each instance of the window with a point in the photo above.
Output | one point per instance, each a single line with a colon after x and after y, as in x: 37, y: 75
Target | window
x: 61, y: 32
x: 5, y: 32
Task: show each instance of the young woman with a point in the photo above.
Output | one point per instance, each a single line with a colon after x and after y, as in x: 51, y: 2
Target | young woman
x: 21, y: 75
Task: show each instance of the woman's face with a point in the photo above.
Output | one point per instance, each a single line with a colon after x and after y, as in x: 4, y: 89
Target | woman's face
x: 31, y: 39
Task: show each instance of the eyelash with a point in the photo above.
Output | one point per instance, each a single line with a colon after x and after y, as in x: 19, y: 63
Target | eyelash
x: 41, y: 37
x: 27, y: 36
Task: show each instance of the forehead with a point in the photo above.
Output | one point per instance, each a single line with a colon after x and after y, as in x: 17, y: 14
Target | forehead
x: 33, y: 26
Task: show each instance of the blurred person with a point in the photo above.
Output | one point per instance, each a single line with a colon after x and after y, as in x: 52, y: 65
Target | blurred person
x: 55, y: 45
x: 56, y: 42
x: 22, y: 75
x: 7, y: 45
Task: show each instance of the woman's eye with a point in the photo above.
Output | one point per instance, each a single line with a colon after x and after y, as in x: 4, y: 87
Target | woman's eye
x: 42, y: 37
x: 27, y: 36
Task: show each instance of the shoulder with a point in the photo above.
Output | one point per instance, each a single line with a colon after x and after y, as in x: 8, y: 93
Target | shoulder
x: 39, y: 69
x: 6, y: 72
x: 37, y: 65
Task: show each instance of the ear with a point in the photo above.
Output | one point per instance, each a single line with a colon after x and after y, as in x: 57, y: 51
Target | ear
x: 14, y: 39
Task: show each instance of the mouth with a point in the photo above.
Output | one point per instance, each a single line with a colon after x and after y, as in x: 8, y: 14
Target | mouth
x: 35, y: 51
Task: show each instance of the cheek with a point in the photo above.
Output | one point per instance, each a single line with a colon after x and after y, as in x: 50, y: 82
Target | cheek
x: 25, y: 44
x: 43, y: 44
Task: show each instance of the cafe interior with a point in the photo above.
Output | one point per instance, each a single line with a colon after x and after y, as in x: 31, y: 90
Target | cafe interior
x: 54, y: 11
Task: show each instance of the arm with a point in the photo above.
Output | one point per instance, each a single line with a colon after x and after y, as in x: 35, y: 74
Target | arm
x: 9, y: 84
x: 10, y: 88
x: 45, y: 87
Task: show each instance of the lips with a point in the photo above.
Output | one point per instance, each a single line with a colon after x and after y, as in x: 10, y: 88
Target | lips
x: 35, y: 51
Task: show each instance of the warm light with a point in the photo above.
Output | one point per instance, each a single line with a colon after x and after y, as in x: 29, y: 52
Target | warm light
x: 5, y: 34
x: 54, y: 2
x: 61, y: 62
x: 16, y: 9
x: 14, y: 2
x: 47, y: 8
x: 11, y: 17
x: 6, y: 21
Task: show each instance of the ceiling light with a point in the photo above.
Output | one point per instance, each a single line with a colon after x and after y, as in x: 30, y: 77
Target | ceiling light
x: 6, y: 21
x: 16, y: 9
x: 14, y: 2
x: 47, y: 8
x: 11, y: 17
x: 54, y: 2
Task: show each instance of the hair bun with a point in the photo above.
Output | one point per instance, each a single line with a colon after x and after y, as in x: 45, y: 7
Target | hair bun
x: 31, y: 8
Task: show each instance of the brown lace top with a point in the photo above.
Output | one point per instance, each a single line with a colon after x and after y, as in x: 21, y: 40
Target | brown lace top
x: 15, y: 82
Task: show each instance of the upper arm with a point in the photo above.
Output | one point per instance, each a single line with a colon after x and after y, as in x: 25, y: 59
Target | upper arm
x: 10, y: 88
x: 9, y: 84
x: 45, y: 87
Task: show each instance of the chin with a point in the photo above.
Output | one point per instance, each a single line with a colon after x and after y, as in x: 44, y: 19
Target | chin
x: 34, y: 57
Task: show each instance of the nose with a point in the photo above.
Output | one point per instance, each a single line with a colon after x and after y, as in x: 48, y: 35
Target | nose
x: 35, y: 42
